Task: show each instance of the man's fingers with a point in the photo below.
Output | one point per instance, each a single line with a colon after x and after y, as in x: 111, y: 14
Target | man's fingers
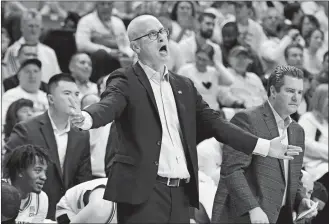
x: 293, y: 148
x: 287, y: 157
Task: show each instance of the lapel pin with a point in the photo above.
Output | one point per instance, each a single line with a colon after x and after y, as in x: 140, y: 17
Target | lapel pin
x: 180, y: 92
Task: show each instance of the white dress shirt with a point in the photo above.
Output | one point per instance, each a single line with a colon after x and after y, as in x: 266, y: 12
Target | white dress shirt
x: 172, y: 161
x: 282, y: 128
x: 98, y: 142
x: 61, y: 137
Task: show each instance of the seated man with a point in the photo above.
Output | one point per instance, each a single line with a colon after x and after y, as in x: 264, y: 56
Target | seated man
x: 29, y: 76
x: 84, y: 203
x: 104, y: 37
x: 26, y: 167
x: 25, y: 52
x: 81, y: 67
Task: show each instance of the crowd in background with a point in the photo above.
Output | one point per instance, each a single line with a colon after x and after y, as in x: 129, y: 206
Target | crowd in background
x: 227, y: 48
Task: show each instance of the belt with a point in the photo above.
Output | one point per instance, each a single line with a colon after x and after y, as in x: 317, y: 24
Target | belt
x: 171, y: 182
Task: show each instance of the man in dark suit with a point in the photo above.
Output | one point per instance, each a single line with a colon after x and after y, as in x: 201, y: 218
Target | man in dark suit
x: 68, y: 147
x: 255, y: 189
x: 159, y: 118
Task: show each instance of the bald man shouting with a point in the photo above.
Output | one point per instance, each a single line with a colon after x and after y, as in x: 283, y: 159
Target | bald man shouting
x: 159, y: 119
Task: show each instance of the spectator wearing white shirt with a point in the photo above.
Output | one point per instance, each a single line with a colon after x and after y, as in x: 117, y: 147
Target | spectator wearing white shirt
x: 205, y: 77
x: 251, y: 32
x: 29, y: 77
x: 272, y: 49
x: 104, y: 37
x: 81, y: 67
x: 247, y: 89
x: 25, y: 168
x: 31, y: 25
x: 183, y: 17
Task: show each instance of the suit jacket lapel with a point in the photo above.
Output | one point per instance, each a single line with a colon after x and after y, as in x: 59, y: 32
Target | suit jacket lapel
x: 48, y: 133
x: 272, y: 126
x: 146, y: 83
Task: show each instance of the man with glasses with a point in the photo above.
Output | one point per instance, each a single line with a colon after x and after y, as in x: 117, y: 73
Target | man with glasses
x: 159, y: 118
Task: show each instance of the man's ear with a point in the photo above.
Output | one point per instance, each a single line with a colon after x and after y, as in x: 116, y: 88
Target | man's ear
x: 50, y: 99
x: 135, y: 47
x: 273, y: 91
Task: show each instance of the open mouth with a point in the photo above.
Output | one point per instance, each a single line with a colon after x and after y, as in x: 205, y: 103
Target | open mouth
x: 163, y: 49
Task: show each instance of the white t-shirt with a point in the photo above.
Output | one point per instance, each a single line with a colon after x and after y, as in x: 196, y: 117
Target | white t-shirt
x: 36, y: 209
x: 72, y: 202
x: 206, y: 83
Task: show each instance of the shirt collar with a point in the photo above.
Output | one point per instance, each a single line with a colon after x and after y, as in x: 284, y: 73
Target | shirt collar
x: 282, y: 124
x: 152, y: 74
x: 65, y: 130
x: 20, y: 42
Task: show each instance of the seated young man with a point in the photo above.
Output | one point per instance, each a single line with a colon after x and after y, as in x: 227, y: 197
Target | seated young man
x: 11, y: 199
x: 84, y: 203
x: 26, y: 167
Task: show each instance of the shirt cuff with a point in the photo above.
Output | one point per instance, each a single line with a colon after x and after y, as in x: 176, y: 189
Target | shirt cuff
x: 262, y: 147
x: 88, y: 122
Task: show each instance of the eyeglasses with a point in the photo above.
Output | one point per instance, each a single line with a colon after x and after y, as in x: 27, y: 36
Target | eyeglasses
x: 154, y: 35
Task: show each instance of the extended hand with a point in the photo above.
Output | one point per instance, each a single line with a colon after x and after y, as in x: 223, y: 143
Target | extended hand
x: 257, y: 215
x: 305, y: 205
x: 282, y: 151
x: 76, y: 117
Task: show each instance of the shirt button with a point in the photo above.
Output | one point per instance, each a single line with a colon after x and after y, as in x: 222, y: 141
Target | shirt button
x: 158, y: 143
x: 156, y: 163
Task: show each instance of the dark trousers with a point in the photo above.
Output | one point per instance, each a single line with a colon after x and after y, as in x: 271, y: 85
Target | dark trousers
x: 322, y: 216
x: 165, y: 205
x: 285, y: 216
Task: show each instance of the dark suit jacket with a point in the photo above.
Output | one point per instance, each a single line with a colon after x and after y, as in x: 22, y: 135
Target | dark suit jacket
x: 255, y: 181
x: 13, y: 81
x: 77, y: 166
x: 129, y: 100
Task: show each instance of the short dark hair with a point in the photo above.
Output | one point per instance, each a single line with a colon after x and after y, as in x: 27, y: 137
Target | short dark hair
x: 276, y: 78
x: 21, y: 157
x: 290, y: 9
x: 308, y: 36
x: 10, y: 201
x: 25, y: 45
x: 173, y: 14
x: 11, y: 116
x: 53, y: 81
x: 204, y: 15
x: 286, y: 51
x: 325, y: 55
